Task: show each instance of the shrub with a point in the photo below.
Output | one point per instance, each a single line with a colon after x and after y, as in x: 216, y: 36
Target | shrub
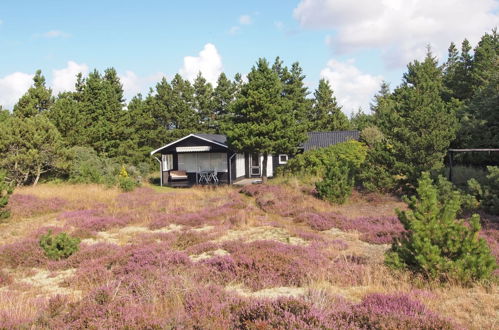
x: 446, y: 190
x: 337, y: 185
x: 126, y: 183
x: 317, y: 161
x: 59, y: 246
x: 376, y: 173
x: 488, y: 192
x: 436, y: 244
x: 5, y: 192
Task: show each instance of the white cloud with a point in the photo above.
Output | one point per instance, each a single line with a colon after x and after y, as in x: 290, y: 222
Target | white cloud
x: 55, y: 34
x: 133, y: 84
x: 402, y: 28
x: 245, y: 19
x: 353, y: 88
x: 12, y: 87
x: 65, y: 79
x: 234, y: 30
x: 208, y: 62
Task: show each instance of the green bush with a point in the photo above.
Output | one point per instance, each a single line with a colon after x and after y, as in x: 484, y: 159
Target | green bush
x: 488, y: 192
x: 446, y: 190
x: 59, y: 246
x: 5, y: 192
x: 88, y: 167
x: 436, y: 244
x: 127, y: 183
x: 376, y: 174
x: 316, y: 162
x: 338, y: 183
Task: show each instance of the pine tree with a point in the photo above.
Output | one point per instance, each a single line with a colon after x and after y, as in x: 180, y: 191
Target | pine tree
x: 37, y: 99
x: 223, y: 97
x: 326, y: 114
x: 421, y: 125
x: 204, y: 103
x: 181, y: 107
x: 436, y: 244
x: 485, y: 58
x: 66, y: 115
x: 30, y: 147
x: 295, y: 94
x: 261, y: 123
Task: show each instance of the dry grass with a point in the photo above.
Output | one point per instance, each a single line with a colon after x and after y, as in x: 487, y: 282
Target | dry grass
x: 476, y: 307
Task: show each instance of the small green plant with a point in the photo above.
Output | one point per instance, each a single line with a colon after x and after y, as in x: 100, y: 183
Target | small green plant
x: 59, y: 246
x: 127, y: 183
x: 436, y: 244
x: 338, y: 183
x: 6, y: 190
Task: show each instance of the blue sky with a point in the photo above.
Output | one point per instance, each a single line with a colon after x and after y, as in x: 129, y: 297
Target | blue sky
x: 352, y: 44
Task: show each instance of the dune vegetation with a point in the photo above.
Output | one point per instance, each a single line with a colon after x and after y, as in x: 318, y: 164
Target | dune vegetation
x: 256, y: 257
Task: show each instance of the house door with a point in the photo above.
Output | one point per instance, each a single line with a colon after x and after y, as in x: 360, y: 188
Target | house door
x: 255, y: 169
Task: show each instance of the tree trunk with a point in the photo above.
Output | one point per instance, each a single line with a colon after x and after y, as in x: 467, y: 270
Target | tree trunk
x: 264, y: 169
x: 38, y: 173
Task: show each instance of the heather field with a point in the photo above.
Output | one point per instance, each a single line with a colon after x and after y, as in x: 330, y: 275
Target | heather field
x: 257, y: 257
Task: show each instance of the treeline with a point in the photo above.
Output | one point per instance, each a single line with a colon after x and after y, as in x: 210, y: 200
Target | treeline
x: 435, y: 107
x: 408, y: 131
x: 40, y: 134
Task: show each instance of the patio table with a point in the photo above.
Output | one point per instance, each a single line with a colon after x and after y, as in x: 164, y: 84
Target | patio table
x: 206, y: 175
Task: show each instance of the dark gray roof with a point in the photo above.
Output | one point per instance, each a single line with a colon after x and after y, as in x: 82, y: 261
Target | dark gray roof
x: 325, y: 139
x: 315, y: 139
x: 213, y: 137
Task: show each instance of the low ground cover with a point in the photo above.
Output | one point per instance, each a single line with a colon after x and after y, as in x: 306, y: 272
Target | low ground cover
x: 264, y: 256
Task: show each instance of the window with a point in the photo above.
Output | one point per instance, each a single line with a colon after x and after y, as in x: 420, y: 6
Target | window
x: 283, y: 159
x: 194, y: 162
x: 167, y: 162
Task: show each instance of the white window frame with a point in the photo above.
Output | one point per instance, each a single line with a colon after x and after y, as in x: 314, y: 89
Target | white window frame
x: 282, y: 162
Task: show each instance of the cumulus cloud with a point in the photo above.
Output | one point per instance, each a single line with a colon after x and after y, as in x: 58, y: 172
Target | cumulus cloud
x: 402, y: 28
x: 54, y: 34
x: 245, y: 19
x: 353, y: 88
x: 134, y: 84
x: 208, y: 62
x: 64, y: 79
x: 12, y: 87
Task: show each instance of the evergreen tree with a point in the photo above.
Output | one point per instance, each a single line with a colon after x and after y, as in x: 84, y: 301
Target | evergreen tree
x: 106, y: 123
x: 181, y: 107
x: 326, y: 114
x: 360, y: 120
x: 436, y: 244
x: 37, y: 99
x: 204, y: 103
x: 422, y: 125
x: 4, y: 114
x: 261, y: 123
x: 30, y: 147
x: 295, y: 94
x: 485, y: 58
x: 66, y: 115
x: 223, y: 97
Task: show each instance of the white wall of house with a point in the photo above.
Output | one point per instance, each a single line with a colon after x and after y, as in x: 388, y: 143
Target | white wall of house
x: 270, y: 168
x: 240, y: 166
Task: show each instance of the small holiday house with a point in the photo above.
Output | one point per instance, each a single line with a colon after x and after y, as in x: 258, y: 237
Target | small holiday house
x: 206, y: 158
